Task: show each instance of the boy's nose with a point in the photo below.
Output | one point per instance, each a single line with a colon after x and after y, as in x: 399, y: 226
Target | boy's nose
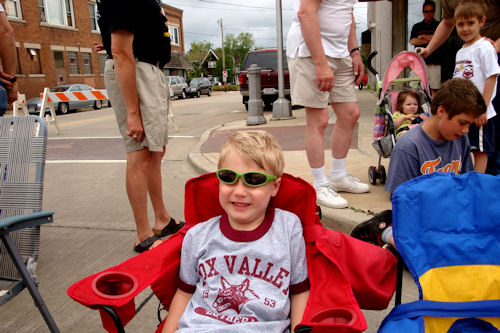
x: 239, y: 187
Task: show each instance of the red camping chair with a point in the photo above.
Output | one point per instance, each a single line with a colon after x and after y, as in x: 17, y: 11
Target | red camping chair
x: 341, y: 275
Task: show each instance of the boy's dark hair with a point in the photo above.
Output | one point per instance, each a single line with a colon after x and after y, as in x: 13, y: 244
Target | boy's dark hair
x: 402, y: 97
x: 470, y: 8
x: 429, y: 3
x: 459, y: 96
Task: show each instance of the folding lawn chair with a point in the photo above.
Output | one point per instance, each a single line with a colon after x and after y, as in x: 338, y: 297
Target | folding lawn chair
x: 23, y: 142
x: 447, y: 230
x: 340, y: 273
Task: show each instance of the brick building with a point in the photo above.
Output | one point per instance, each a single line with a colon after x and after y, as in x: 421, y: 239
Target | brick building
x: 54, y: 40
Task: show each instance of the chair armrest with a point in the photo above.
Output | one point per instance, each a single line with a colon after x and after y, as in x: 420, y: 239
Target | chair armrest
x: 18, y: 222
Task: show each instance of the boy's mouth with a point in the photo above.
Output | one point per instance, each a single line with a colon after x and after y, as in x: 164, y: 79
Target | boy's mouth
x: 240, y: 204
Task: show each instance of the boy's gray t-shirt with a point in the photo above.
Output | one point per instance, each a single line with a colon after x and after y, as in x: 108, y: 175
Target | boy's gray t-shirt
x: 242, y: 277
x: 416, y: 154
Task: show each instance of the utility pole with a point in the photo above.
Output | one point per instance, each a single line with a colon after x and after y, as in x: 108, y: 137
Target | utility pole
x: 224, y: 78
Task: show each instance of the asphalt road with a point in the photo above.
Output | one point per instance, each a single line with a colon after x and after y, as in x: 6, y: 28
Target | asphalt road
x: 94, y: 228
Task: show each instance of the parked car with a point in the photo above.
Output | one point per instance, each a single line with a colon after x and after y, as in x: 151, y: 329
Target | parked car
x: 267, y: 60
x: 178, y: 86
x: 200, y: 86
x: 34, y: 104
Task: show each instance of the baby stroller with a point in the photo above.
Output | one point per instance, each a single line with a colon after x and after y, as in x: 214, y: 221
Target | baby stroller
x: 342, y: 278
x: 451, y: 247
x: 384, y: 134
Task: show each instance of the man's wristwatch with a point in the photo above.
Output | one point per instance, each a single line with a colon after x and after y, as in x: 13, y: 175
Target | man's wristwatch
x: 354, y: 50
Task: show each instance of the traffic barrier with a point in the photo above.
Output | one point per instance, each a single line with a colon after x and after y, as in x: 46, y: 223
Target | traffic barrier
x: 19, y: 107
x: 51, y: 120
x: 88, y: 95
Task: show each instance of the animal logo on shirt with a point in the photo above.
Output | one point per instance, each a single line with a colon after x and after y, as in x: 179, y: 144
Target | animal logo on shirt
x: 233, y: 296
x: 464, y: 69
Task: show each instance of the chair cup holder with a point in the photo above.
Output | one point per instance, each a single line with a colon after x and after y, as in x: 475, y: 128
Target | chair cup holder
x: 335, y: 316
x: 114, y: 285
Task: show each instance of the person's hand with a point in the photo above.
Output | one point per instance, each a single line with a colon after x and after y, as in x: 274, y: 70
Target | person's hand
x: 135, y: 129
x: 6, y: 79
x: 358, y: 67
x: 98, y: 47
x: 12, y: 93
x: 422, y: 51
x: 481, y: 120
x: 324, y: 77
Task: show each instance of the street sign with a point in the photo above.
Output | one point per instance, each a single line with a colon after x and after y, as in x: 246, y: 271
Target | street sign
x: 224, y: 74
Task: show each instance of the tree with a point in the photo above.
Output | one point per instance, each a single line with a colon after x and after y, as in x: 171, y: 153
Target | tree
x: 235, y: 50
x: 196, y: 54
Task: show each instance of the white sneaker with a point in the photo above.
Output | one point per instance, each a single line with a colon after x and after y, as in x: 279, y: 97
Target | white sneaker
x: 349, y: 183
x: 326, y: 196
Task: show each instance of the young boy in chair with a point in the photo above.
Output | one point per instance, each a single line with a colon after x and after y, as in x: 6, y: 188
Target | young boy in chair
x: 243, y: 271
x: 438, y: 145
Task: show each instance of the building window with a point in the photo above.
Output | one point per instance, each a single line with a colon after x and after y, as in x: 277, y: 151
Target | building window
x: 87, y: 63
x: 102, y: 61
x: 34, y: 60
x: 73, y: 62
x: 58, y: 59
x: 13, y: 8
x: 174, y: 34
x: 93, y: 16
x: 56, y: 12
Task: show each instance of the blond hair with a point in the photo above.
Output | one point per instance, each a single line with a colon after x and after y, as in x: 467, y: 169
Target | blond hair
x: 257, y: 146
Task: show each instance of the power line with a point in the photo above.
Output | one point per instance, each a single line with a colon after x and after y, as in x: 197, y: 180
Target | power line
x: 237, y: 5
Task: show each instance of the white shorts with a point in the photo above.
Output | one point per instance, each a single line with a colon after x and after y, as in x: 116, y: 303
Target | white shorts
x: 434, y: 76
x: 153, y: 95
x: 304, y: 90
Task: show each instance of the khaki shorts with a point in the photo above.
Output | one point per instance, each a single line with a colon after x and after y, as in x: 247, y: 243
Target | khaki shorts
x: 434, y: 75
x: 304, y: 90
x: 153, y: 104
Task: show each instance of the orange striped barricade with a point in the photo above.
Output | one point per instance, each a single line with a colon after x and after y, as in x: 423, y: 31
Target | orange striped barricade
x: 46, y: 102
x: 19, y: 107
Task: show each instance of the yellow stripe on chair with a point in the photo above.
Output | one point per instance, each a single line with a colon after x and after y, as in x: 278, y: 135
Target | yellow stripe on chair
x: 442, y: 325
x: 459, y: 284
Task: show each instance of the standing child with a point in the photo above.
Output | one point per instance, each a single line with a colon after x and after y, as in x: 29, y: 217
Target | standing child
x: 243, y: 271
x: 408, y: 112
x: 477, y: 61
x: 438, y: 145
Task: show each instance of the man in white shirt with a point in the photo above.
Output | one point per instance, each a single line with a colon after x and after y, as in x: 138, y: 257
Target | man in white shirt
x: 8, y: 55
x: 325, y: 65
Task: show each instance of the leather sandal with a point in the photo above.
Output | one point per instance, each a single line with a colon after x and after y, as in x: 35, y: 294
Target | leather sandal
x: 170, y: 228
x: 146, y: 244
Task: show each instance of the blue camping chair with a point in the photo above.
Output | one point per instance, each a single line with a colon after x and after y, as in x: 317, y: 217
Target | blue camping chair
x: 23, y: 142
x: 447, y: 230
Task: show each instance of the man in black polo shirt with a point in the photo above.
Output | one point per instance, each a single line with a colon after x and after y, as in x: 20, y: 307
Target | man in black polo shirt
x: 420, y: 36
x: 135, y: 37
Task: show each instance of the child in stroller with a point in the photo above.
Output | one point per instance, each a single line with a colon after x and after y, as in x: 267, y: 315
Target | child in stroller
x: 384, y: 131
x: 409, y: 113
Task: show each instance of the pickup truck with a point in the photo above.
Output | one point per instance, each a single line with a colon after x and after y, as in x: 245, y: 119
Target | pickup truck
x: 267, y: 60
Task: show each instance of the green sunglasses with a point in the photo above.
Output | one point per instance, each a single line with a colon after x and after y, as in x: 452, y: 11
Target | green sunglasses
x: 250, y: 178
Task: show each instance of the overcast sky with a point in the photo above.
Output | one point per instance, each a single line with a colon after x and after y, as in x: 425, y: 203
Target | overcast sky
x: 256, y: 16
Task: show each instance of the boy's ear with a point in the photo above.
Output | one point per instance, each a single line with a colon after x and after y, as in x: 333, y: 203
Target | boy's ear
x: 276, y: 187
x: 441, y: 112
x: 482, y: 21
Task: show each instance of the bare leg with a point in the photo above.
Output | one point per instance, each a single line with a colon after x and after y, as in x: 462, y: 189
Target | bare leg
x: 316, y: 123
x: 138, y: 163
x: 480, y: 161
x: 162, y: 218
x: 347, y: 116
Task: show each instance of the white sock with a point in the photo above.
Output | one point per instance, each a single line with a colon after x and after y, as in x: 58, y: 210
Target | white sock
x: 386, y: 235
x: 319, y: 176
x: 338, y: 168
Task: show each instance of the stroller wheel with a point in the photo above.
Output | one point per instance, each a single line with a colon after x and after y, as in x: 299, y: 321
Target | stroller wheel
x: 381, y: 174
x: 372, y: 175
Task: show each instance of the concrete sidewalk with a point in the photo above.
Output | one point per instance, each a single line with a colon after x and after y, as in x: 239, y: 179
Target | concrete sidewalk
x: 290, y: 134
